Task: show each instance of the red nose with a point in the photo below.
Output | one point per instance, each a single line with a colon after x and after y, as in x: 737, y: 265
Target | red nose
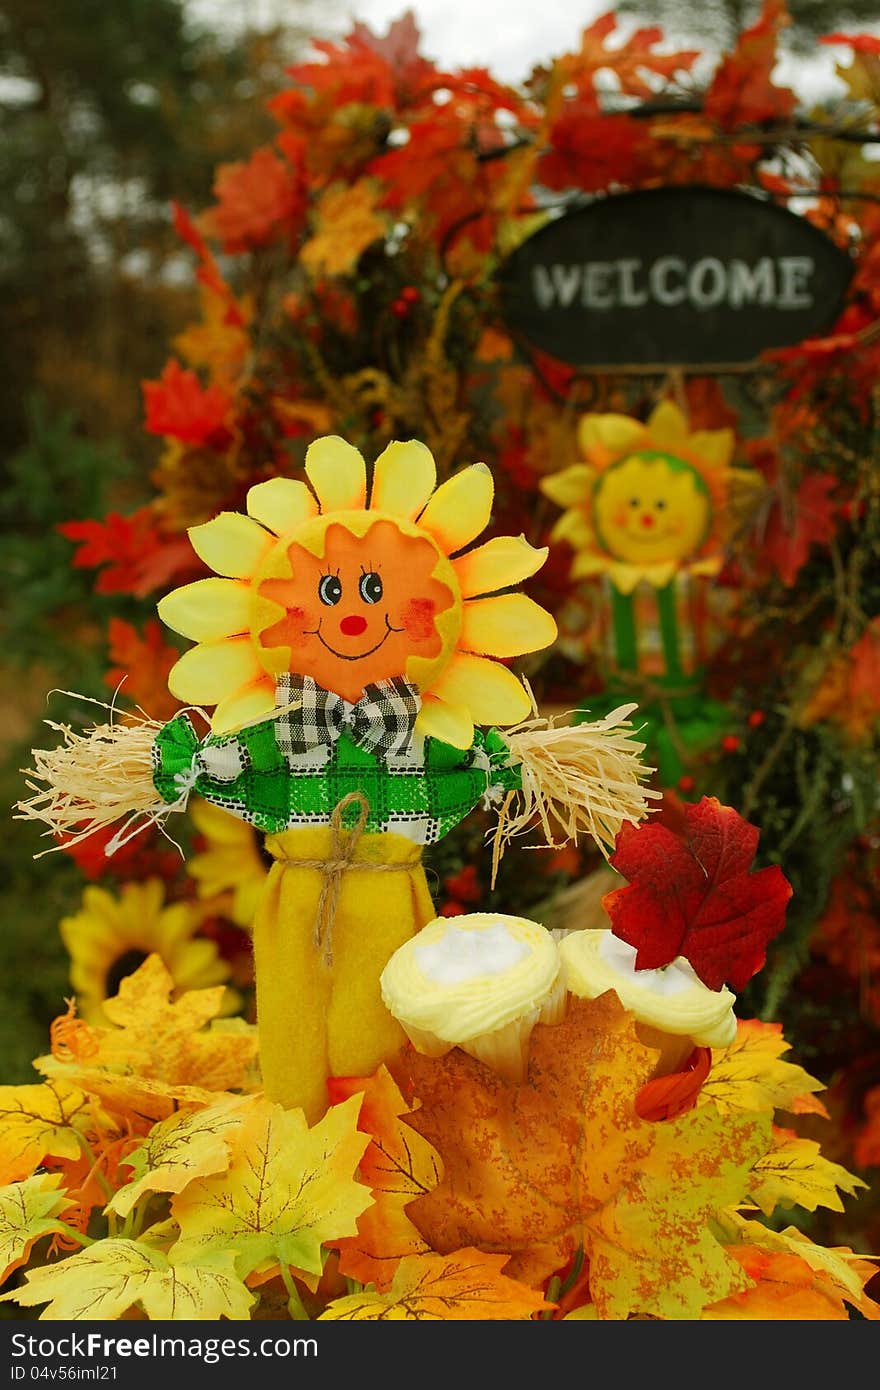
x: 647, y: 520
x: 353, y: 625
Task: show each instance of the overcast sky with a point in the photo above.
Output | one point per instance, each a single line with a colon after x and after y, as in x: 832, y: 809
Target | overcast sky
x: 509, y: 37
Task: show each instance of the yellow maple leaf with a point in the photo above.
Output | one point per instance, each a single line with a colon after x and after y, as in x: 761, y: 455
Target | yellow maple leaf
x: 398, y: 1165
x: 219, y: 341
x: 750, y: 1075
x: 347, y: 223
x: 180, y: 1149
x: 563, y: 1162
x: 157, y: 1054
x: 837, y: 1274
x: 466, y: 1285
x: 113, y: 1276
x: 37, y: 1122
x: 794, y: 1173
x: 289, y: 1189
x: 27, y: 1210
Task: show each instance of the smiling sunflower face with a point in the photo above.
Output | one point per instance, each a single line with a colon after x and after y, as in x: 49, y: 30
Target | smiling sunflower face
x: 651, y: 507
x: 648, y: 499
x: 319, y: 581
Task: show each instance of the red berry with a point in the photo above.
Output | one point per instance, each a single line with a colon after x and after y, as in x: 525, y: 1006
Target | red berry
x: 730, y: 743
x: 410, y: 295
x: 452, y: 909
x: 686, y: 784
x: 756, y: 718
x: 400, y: 308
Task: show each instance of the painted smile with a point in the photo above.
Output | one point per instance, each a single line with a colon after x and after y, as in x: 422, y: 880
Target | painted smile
x: 358, y: 656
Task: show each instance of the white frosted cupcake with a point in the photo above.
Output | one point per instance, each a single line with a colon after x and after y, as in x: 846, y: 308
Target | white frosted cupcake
x: 672, y: 1000
x: 480, y: 982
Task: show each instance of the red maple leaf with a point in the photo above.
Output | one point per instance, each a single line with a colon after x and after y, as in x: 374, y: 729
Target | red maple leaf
x: 259, y: 200
x: 179, y: 406
x: 742, y: 91
x: 139, y: 557
x: 693, y: 895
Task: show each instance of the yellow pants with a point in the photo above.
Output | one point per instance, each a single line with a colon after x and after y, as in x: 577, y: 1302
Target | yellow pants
x: 317, y: 1019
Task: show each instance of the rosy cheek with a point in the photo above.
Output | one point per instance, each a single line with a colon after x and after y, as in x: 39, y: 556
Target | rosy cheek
x: 417, y: 619
x: 619, y: 518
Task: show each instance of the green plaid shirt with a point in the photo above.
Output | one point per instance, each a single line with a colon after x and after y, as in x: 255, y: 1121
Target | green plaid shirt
x: 421, y: 795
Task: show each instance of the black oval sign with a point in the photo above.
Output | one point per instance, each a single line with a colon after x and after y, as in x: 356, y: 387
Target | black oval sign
x: 673, y: 275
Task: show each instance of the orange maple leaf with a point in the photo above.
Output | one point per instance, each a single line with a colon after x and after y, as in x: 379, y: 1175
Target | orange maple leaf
x: 259, y: 200
x: 742, y: 91
x: 142, y: 662
x: 180, y: 407
x: 562, y: 1162
x: 399, y: 1165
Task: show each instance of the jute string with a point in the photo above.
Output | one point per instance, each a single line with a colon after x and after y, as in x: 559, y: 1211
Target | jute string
x: 343, y: 846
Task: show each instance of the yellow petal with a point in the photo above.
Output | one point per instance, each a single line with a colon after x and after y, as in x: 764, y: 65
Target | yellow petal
x: 242, y: 707
x: 404, y: 476
x: 507, y: 625
x: 449, y: 723
x: 220, y: 827
x: 570, y: 485
x: 667, y: 424
x: 281, y: 504
x: 609, y: 435
x: 491, y: 693
x: 573, y: 527
x: 714, y: 446
x: 460, y: 508
x: 206, y: 674
x: 230, y: 544
x: 337, y: 472
x: 502, y: 561
x: 207, y: 610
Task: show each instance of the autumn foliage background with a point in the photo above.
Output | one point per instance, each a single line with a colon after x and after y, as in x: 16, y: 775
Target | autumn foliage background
x: 309, y: 246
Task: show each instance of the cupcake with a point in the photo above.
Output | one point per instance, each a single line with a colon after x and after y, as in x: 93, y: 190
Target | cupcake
x: 672, y: 1000
x: 480, y: 981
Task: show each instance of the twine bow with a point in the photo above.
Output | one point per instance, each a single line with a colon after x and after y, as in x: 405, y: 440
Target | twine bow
x: 343, y: 847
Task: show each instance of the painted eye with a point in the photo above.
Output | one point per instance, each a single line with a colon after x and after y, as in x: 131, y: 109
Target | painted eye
x: 634, y: 502
x: 329, y: 589
x: 370, y: 587
x: 659, y: 504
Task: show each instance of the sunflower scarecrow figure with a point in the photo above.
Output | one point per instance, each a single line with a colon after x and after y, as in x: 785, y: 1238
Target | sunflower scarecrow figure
x: 648, y: 512
x: 346, y: 643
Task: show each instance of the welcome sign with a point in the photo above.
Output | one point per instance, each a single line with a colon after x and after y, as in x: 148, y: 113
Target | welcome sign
x: 673, y: 275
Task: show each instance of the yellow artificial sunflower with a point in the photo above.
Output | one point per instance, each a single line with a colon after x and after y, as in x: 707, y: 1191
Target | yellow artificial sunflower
x: 233, y: 862
x: 648, y: 501
x: 109, y: 937
x: 318, y: 580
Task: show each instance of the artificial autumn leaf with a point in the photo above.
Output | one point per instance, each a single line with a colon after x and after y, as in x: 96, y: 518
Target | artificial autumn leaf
x: 180, y: 407
x: 866, y: 1148
x: 849, y: 691
x: 629, y: 61
x: 142, y: 662
x: 742, y: 91
x: 38, y: 1122
x: 138, y: 557
x: 588, y: 148
x: 838, y: 1274
x: 794, y: 1173
x: 288, y: 1190
x: 466, y: 1285
x: 113, y: 1276
x: 794, y: 526
x: 220, y: 341
x: 749, y: 1075
x: 398, y: 1165
x: 180, y: 1149
x: 160, y: 1053
x: 664, y: 1097
x: 347, y: 224
x: 562, y: 1162
x: 785, y: 1290
x: 259, y: 200
x: 27, y: 1210
x: 693, y: 895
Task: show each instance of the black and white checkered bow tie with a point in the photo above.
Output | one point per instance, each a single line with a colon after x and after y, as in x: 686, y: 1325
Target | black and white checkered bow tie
x: 381, y: 721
